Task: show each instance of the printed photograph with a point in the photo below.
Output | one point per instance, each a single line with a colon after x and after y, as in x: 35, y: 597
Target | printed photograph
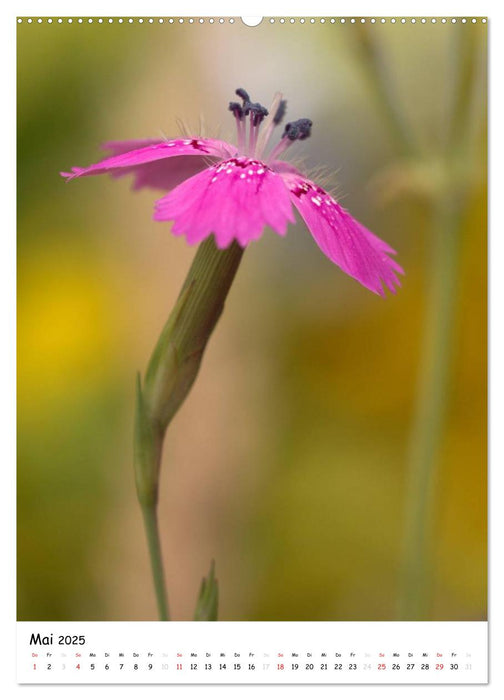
x: 251, y: 319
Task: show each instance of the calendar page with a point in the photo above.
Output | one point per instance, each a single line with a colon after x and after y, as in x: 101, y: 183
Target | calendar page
x: 252, y: 349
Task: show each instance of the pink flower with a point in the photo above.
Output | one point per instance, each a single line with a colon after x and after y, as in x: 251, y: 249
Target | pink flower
x: 235, y: 191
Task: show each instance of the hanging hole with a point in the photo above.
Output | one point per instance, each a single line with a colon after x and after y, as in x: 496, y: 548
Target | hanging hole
x: 251, y: 21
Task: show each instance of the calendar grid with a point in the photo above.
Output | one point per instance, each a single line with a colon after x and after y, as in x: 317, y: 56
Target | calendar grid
x: 258, y: 652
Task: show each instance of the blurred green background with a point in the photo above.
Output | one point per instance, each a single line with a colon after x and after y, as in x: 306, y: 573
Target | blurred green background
x: 289, y: 461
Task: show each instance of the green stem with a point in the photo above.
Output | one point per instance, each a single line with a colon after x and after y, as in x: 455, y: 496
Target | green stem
x: 379, y: 83
x: 431, y: 397
x: 429, y: 411
x: 172, y: 370
x: 432, y: 393
x: 154, y: 545
x: 465, y: 46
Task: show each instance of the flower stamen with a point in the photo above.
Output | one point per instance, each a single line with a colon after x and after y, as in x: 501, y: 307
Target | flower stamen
x: 294, y: 131
x: 237, y: 110
x: 257, y: 114
x: 243, y: 94
x: 281, y: 146
x: 277, y: 113
x: 298, y: 130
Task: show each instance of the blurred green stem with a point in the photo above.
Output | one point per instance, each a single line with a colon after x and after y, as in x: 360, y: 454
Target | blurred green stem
x: 172, y: 370
x: 154, y: 545
x: 379, y: 83
x: 429, y: 411
x: 431, y: 396
x: 432, y: 392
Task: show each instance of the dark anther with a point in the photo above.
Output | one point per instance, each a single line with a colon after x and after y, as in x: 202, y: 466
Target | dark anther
x: 298, y: 130
x: 257, y: 111
x: 280, y: 113
x: 243, y: 94
x: 236, y: 109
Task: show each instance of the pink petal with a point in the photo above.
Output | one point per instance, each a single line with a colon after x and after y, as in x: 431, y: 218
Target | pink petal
x: 118, y: 147
x: 344, y: 240
x: 284, y: 167
x: 150, y: 160
x: 234, y: 200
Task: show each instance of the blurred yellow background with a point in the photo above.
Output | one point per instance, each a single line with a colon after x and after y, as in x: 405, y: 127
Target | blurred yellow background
x: 288, y: 463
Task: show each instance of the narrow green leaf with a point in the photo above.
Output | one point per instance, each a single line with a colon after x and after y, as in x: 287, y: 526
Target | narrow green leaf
x: 208, y: 600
